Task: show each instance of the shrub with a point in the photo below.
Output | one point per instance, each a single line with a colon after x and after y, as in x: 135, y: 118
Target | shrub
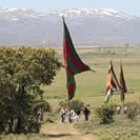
x: 135, y: 105
x: 131, y: 113
x: 74, y: 104
x: 44, y: 104
x: 105, y: 113
x: 132, y: 110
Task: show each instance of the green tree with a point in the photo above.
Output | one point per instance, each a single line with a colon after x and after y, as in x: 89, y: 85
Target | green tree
x: 22, y: 72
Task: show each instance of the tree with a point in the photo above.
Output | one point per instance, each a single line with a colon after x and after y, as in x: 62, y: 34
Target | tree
x: 22, y: 72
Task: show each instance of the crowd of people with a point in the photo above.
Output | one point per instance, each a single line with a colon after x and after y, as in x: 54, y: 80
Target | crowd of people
x: 73, y: 116
x: 121, y: 110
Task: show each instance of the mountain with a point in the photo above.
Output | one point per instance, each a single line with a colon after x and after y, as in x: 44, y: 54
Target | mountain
x: 87, y: 27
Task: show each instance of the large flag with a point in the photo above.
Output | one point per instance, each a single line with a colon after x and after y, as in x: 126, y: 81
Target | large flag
x: 112, y: 83
x: 72, y: 62
x: 122, y: 83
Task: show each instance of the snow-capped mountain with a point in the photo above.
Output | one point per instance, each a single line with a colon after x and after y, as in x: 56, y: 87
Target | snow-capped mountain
x: 87, y: 27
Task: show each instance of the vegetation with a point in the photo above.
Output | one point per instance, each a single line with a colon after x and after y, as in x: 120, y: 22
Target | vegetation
x: 23, y: 71
x: 76, y: 105
x: 121, y: 129
x: 105, y: 113
x: 133, y: 110
x: 23, y: 137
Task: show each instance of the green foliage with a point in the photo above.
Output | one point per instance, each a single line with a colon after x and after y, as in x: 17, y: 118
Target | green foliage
x: 131, y: 114
x: 23, y: 137
x: 73, y: 104
x: 133, y: 110
x: 23, y: 71
x: 105, y: 113
x: 42, y: 104
x: 76, y: 105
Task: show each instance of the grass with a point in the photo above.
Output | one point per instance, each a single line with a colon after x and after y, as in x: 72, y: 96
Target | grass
x: 121, y: 129
x: 23, y: 137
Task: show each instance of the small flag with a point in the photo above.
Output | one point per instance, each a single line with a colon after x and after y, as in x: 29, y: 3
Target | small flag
x: 112, y: 83
x: 122, y: 83
x: 72, y: 62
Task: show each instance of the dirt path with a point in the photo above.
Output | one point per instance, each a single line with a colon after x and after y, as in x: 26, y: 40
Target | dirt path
x: 60, y: 131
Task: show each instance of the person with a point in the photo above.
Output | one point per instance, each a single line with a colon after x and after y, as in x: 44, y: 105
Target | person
x: 73, y: 117
x: 66, y: 115
x: 39, y: 115
x: 62, y: 114
x: 118, y: 110
x: 125, y: 110
x: 86, y: 112
x: 78, y: 112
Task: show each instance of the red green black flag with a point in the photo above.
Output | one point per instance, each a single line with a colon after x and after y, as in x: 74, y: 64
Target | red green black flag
x: 72, y: 62
x: 122, y: 83
x: 112, y: 83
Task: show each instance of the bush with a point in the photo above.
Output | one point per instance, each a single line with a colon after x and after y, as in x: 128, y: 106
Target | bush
x: 132, y: 110
x: 134, y: 105
x: 44, y: 104
x: 131, y: 113
x: 105, y: 113
x: 74, y: 104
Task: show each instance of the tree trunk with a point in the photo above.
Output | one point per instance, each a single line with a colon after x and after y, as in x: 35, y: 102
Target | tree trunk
x: 19, y: 126
x: 1, y: 128
x: 42, y: 113
x: 19, y: 119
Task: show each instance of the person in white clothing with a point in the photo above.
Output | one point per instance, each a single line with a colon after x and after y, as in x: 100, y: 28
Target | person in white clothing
x: 73, y: 117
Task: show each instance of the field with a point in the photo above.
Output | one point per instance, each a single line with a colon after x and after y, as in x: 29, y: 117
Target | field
x: 91, y: 88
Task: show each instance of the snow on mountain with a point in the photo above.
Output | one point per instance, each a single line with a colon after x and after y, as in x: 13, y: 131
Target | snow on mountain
x: 92, y: 12
x: 72, y: 13
x: 87, y: 27
x: 17, y: 14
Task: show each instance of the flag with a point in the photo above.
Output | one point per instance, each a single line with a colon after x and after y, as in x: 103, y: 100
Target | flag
x: 122, y: 83
x: 112, y: 83
x: 72, y: 62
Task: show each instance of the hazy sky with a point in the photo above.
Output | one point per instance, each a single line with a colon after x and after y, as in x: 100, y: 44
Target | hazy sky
x: 128, y: 6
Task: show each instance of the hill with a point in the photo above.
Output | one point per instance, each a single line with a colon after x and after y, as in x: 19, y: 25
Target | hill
x: 100, y: 27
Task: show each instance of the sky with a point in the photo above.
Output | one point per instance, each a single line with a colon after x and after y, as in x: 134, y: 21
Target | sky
x: 128, y: 6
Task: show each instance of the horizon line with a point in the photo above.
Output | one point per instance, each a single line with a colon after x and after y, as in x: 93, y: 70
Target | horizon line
x: 63, y: 9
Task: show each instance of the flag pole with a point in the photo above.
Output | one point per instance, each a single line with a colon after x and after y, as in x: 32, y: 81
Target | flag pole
x: 122, y: 102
